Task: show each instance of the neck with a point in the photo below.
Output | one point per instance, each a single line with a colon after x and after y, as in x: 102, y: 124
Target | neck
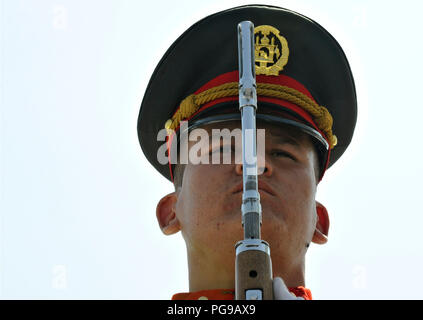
x: 204, y: 275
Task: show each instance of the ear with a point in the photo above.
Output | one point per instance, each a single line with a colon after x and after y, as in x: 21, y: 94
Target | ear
x: 166, y: 215
x: 320, y: 235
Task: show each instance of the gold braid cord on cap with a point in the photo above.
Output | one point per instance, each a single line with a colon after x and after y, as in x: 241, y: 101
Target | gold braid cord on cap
x: 320, y: 114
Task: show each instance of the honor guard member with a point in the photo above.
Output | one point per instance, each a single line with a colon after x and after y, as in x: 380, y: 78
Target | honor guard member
x: 307, y: 106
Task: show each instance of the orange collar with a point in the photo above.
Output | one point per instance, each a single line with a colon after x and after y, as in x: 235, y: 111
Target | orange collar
x: 229, y: 294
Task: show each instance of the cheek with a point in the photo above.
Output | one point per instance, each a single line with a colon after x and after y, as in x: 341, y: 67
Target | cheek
x: 200, y: 202
x: 298, y: 197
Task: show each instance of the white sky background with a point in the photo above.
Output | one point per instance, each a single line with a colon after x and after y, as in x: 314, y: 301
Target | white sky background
x: 78, y: 197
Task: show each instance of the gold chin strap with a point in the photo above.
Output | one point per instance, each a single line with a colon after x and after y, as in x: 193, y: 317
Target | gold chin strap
x: 320, y: 114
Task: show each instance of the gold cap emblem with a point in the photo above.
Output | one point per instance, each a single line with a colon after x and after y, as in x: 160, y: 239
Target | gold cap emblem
x: 271, y: 50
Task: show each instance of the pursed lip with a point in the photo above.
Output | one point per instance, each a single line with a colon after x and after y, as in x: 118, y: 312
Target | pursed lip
x: 262, y: 186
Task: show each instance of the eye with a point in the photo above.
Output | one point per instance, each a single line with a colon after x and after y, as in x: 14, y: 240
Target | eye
x: 226, y: 148
x: 222, y: 149
x: 282, y: 154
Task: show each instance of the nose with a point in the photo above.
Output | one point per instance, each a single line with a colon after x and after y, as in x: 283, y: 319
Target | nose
x: 263, y: 167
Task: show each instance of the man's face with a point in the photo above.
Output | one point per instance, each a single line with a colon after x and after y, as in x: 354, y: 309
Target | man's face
x: 209, y: 202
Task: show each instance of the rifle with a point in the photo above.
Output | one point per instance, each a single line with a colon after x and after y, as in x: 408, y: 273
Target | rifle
x: 253, y: 266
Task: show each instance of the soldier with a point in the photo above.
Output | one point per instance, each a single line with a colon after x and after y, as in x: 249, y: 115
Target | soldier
x: 307, y: 107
